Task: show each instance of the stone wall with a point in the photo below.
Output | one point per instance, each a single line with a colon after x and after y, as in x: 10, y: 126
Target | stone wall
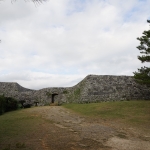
x: 93, y: 88
x: 43, y: 96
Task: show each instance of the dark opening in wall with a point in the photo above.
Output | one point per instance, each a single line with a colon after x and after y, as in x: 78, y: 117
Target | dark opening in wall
x: 53, y: 95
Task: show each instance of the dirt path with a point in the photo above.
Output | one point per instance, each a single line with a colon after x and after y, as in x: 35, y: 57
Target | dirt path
x: 70, y: 131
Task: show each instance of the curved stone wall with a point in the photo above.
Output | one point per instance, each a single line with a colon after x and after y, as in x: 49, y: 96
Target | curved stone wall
x: 93, y: 88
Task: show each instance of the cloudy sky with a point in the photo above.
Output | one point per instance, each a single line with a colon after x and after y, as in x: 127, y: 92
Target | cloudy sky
x: 59, y: 42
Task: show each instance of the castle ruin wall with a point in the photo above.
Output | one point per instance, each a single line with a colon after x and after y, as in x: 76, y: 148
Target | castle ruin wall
x: 93, y: 88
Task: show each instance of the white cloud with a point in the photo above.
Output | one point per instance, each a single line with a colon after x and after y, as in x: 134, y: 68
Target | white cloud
x: 38, y: 80
x: 59, y: 42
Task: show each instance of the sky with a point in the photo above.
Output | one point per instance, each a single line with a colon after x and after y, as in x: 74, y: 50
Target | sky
x: 60, y: 42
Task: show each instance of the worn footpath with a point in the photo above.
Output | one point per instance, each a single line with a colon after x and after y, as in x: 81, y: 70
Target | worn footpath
x: 72, y: 131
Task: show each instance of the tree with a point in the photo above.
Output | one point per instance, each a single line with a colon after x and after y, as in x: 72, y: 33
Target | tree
x: 143, y: 74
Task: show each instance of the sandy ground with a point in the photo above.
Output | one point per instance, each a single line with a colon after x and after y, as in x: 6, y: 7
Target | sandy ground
x: 70, y: 131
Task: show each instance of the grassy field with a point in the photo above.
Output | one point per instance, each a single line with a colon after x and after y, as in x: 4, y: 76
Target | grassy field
x: 136, y: 113
x: 22, y: 129
x: 17, y: 127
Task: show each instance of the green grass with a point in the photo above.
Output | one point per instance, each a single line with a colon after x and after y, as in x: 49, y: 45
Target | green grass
x: 135, y: 112
x: 16, y: 127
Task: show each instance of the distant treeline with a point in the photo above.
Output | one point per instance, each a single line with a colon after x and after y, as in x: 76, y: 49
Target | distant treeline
x: 7, y: 104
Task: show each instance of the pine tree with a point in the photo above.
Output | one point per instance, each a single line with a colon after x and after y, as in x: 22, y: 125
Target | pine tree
x: 143, y: 74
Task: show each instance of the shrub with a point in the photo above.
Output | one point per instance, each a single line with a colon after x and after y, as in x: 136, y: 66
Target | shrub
x: 2, y: 104
x: 11, y: 104
x: 7, y: 104
x: 27, y: 105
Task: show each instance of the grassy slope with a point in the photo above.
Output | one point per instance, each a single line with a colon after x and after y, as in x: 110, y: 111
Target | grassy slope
x: 17, y: 127
x: 136, y: 113
x: 22, y: 129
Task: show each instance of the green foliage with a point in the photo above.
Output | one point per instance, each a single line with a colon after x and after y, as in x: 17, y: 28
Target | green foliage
x: 7, y: 104
x: 2, y: 104
x: 27, y: 105
x: 11, y: 104
x: 143, y: 74
x: 144, y: 47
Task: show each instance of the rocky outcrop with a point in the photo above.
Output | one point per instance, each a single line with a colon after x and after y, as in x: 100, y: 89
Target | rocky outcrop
x: 93, y: 88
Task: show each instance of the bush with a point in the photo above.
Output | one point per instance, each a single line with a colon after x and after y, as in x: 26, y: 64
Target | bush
x: 7, y: 104
x: 11, y: 104
x: 27, y: 105
x: 2, y: 104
